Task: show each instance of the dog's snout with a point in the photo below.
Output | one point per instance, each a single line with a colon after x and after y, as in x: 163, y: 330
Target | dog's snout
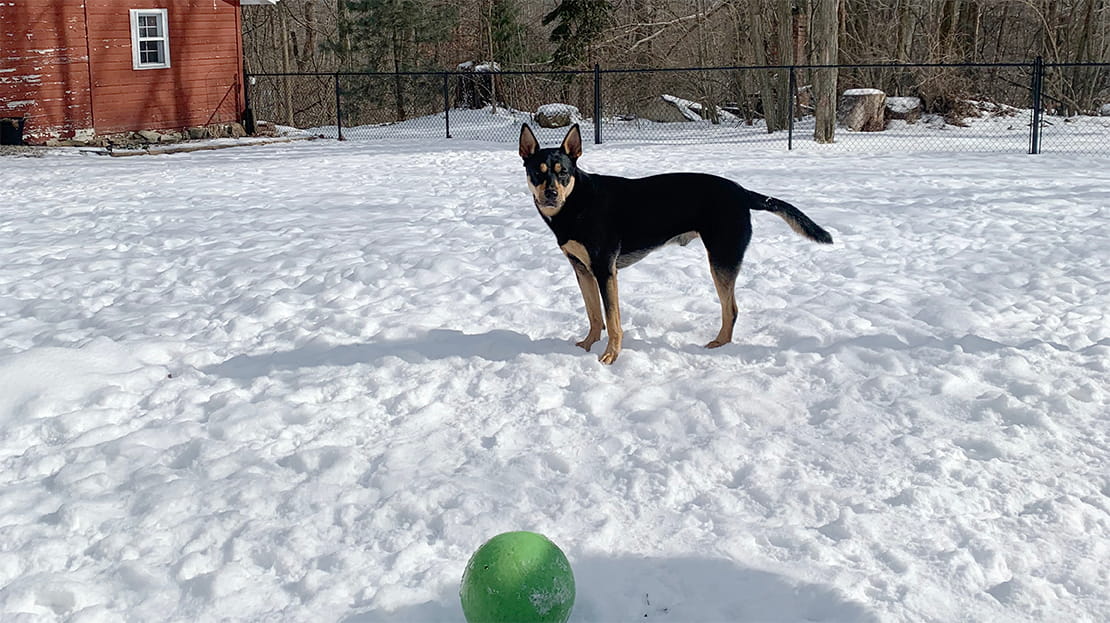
x: 550, y: 192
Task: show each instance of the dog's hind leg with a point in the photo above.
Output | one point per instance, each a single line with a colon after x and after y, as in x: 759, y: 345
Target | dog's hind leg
x: 725, y: 280
x: 725, y: 244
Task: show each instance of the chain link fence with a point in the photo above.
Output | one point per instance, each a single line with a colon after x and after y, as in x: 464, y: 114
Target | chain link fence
x: 1076, y: 103
x: 1015, y: 107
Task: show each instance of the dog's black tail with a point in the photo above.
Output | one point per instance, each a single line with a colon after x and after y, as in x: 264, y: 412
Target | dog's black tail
x: 794, y: 217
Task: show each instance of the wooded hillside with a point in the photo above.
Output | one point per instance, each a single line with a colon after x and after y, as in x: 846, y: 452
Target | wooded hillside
x: 532, y: 35
x: 386, y: 35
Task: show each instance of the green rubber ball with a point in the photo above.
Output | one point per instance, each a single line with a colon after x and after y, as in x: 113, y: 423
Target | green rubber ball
x: 517, y: 577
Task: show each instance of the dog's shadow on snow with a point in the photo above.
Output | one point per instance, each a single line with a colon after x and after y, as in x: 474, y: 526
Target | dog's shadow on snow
x: 682, y: 590
x: 497, y: 345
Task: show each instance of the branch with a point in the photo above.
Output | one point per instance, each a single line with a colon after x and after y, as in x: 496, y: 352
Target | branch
x: 663, y: 26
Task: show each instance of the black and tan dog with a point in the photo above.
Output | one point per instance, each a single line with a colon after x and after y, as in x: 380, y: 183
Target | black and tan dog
x: 604, y: 223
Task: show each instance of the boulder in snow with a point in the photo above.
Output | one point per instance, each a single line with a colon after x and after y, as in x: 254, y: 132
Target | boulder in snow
x: 907, y: 109
x: 660, y: 110
x: 556, y: 115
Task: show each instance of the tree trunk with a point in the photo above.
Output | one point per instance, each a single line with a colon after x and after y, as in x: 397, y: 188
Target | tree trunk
x: 343, y: 34
x: 799, y: 33
x: 770, y: 45
x: 1003, y: 28
x: 826, y: 22
x: 1084, y: 80
x: 903, y: 46
x: 286, y: 81
x: 398, y: 83
x: 949, y: 27
x: 308, y: 52
x: 799, y: 22
x: 707, y: 94
x: 1049, y: 42
x: 974, y: 15
x: 783, y: 96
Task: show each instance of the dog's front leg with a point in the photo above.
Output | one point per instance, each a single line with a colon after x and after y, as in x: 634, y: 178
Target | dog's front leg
x: 608, y: 282
x: 592, y: 297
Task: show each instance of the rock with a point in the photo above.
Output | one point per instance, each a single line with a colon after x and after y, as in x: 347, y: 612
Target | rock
x: 236, y: 130
x: 22, y: 151
x: 862, y: 110
x: 149, y: 136
x: 907, y: 109
x: 660, y: 110
x: 556, y: 115
x: 197, y: 133
x: 265, y: 128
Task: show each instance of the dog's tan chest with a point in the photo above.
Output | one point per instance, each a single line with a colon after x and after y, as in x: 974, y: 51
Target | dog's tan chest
x: 577, y: 251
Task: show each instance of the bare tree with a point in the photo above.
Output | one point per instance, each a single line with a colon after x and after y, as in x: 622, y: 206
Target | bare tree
x: 826, y: 23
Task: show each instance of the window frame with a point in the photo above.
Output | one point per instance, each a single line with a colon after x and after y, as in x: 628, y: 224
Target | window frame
x: 136, y: 39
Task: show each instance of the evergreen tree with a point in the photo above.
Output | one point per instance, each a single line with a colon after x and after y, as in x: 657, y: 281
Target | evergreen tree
x: 578, y: 25
x: 506, y: 33
x: 394, y: 35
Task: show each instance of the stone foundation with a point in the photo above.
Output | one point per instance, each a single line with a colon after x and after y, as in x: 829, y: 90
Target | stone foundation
x: 143, y: 138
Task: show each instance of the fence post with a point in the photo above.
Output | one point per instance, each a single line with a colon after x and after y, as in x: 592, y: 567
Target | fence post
x: 597, y: 104
x: 338, y: 108
x: 793, y: 101
x: 446, y: 105
x: 1035, y: 125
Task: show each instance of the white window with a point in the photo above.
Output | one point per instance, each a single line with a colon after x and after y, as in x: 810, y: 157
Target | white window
x: 150, y: 39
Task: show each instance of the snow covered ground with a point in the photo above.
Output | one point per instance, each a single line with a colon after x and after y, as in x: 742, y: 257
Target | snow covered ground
x: 304, y: 382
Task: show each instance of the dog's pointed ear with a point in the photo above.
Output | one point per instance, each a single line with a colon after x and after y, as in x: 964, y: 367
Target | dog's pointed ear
x: 528, y: 143
x: 572, y: 143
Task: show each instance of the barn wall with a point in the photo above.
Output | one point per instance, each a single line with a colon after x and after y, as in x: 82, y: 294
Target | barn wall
x: 67, y: 67
x: 44, y: 68
x: 202, y: 84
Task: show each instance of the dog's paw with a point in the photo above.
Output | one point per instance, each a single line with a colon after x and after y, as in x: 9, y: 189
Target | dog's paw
x: 589, y: 341
x: 608, y: 357
x: 715, y: 344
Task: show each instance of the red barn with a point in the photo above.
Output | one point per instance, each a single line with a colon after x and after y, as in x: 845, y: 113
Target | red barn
x: 77, y: 70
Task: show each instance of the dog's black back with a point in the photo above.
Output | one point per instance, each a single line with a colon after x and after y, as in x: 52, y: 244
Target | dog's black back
x: 637, y: 216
